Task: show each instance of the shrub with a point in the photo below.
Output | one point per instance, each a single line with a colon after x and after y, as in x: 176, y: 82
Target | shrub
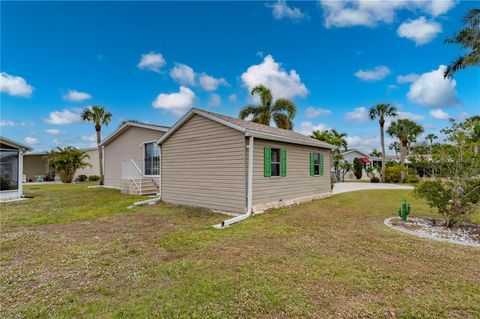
x: 65, y: 161
x: 357, y: 167
x: 374, y: 179
x: 93, y: 178
x: 411, y: 179
x: 82, y: 178
x: 393, y: 174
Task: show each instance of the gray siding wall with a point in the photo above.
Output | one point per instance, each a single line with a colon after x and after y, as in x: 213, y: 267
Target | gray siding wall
x: 127, y: 145
x: 297, y: 183
x: 203, y: 164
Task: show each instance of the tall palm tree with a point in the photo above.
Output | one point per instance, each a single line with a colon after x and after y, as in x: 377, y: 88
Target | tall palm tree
x: 467, y: 38
x: 99, y: 116
x: 431, y: 137
x: 406, y: 131
x: 282, y: 111
x: 394, y: 146
x: 380, y: 112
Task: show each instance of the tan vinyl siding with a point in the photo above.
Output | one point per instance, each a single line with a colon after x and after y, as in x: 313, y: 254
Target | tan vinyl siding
x: 94, y: 169
x: 127, y: 145
x: 203, y: 164
x: 34, y: 165
x: 298, y: 182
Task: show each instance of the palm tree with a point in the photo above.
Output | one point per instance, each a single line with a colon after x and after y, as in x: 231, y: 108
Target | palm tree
x: 335, y: 138
x: 406, y: 131
x: 467, y: 38
x: 65, y: 161
x: 395, y: 146
x: 431, y: 137
x: 282, y: 111
x: 375, y: 153
x: 99, y: 116
x: 381, y: 111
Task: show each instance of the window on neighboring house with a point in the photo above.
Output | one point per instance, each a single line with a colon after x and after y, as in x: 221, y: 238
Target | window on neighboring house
x: 152, y: 159
x: 275, y: 161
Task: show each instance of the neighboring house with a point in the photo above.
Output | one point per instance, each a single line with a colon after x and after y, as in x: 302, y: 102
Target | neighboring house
x: 132, y: 158
x: 223, y: 163
x: 11, y: 168
x: 94, y: 169
x: 368, y: 161
x: 35, y: 167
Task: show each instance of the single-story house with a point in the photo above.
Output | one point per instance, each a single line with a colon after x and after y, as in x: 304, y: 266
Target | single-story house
x: 35, y: 166
x: 367, y: 160
x: 131, y: 158
x: 223, y: 163
x: 11, y: 168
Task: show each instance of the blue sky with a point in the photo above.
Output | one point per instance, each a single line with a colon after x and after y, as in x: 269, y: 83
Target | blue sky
x: 153, y: 61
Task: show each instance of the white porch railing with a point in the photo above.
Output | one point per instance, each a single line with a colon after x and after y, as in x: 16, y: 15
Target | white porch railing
x: 131, y: 171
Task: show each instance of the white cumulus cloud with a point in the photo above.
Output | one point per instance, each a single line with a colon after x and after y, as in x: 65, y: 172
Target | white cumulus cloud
x: 281, y: 10
x: 63, y: 117
x: 14, y: 85
x: 31, y: 140
x: 358, y: 115
x: 376, y: 74
x: 410, y: 116
x: 312, y: 112
x: 306, y: 128
x: 7, y: 123
x: 214, y: 100
x: 176, y: 102
x: 183, y: 74
x: 211, y: 83
x: 431, y: 89
x: 407, y: 78
x: 151, y: 61
x: 232, y: 98
x: 283, y: 84
x: 89, y: 138
x: 54, y: 131
x: 76, y: 96
x: 348, y: 13
x: 439, y: 114
x: 419, y: 30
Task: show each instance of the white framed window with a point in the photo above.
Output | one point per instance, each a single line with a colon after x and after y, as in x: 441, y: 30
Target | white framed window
x: 151, y: 159
x: 275, y: 161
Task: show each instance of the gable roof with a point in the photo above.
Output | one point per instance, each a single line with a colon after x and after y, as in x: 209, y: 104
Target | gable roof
x: 14, y: 144
x: 250, y: 129
x: 127, y: 125
x: 355, y: 150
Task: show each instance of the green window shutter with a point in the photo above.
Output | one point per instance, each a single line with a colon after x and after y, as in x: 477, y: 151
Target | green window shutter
x: 267, y: 167
x: 312, y: 162
x: 284, y: 162
x: 321, y: 164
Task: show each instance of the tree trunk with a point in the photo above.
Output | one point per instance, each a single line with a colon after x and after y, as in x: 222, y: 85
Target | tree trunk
x: 403, y: 149
x: 384, y: 157
x: 98, y: 128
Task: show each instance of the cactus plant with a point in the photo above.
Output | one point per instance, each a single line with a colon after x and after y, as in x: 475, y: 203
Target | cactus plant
x: 404, y: 211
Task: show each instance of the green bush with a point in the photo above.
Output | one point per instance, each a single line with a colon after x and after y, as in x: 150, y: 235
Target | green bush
x: 393, y: 174
x: 93, y: 178
x: 357, y: 167
x: 374, y: 179
x: 82, y: 178
x: 411, y: 179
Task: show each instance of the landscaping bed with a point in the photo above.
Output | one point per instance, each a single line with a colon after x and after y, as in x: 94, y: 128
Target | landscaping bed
x: 463, y: 234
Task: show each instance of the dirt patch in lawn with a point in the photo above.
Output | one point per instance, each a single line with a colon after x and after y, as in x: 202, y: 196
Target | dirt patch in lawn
x: 463, y: 234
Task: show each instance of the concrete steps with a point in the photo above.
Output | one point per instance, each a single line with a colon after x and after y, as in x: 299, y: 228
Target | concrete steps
x: 148, y: 187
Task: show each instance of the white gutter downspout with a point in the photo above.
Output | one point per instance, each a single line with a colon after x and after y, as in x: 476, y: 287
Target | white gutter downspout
x: 230, y: 221
x: 160, y: 175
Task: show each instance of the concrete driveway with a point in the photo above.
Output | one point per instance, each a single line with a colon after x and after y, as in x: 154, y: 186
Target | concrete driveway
x: 352, y: 187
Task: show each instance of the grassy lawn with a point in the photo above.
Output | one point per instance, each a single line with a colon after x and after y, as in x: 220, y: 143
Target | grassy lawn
x: 72, y: 252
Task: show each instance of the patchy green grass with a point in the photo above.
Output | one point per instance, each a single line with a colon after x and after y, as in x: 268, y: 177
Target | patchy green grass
x: 328, y: 258
x: 60, y: 203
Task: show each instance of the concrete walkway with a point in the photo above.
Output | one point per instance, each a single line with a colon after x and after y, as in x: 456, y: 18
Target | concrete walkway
x: 352, y: 187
